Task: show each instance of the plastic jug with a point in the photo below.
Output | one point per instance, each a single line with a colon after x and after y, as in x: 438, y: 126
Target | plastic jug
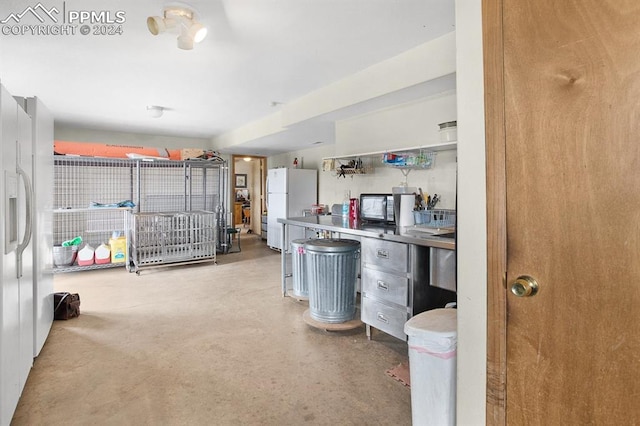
x: 86, y: 256
x: 102, y: 254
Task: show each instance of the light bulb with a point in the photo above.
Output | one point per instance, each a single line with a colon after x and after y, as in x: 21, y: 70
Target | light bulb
x: 185, y: 42
x: 198, y: 32
x: 155, y: 24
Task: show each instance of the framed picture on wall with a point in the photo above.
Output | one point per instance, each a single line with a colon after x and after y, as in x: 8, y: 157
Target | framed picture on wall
x: 241, y: 181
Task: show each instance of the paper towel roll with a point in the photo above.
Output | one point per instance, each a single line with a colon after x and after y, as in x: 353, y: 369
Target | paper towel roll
x: 407, y: 202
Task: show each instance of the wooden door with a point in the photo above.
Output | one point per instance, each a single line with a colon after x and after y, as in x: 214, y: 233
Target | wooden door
x: 563, y: 151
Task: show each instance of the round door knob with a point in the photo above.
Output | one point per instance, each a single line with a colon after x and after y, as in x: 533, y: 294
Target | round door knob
x: 524, y: 286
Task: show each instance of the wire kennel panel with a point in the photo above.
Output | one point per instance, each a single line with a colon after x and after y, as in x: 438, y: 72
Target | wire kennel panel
x: 162, y: 186
x: 179, y: 186
x: 81, y: 181
x: 168, y: 238
x: 208, y: 191
x: 95, y: 226
x: 205, y: 186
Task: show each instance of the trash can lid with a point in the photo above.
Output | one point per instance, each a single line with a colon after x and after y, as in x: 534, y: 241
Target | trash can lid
x: 332, y: 245
x: 434, y: 324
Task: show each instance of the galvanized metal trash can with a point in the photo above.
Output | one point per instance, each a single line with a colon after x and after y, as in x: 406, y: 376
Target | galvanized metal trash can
x: 331, y: 266
x: 298, y: 270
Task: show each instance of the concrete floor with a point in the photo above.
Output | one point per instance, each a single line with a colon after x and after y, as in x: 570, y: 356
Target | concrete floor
x: 207, y: 344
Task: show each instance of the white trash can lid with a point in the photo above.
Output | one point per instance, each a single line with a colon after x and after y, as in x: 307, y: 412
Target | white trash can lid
x: 437, y: 326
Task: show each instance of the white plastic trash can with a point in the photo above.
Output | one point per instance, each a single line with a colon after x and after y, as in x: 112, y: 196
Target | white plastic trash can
x: 433, y: 341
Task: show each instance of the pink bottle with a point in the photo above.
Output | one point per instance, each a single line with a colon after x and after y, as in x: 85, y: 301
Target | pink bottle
x: 354, y: 212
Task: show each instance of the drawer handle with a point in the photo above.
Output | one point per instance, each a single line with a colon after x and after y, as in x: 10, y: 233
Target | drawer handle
x: 383, y: 286
x: 382, y: 254
x: 382, y: 318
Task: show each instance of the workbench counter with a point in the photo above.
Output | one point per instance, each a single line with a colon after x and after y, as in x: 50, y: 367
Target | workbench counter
x: 409, y: 235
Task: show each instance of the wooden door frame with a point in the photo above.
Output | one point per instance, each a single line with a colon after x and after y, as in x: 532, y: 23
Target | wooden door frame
x: 263, y: 179
x: 493, y: 50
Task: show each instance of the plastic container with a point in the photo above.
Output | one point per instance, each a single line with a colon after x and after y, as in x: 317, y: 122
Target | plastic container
x: 407, y: 202
x: 118, y: 249
x: 354, y: 210
x: 86, y: 256
x: 102, y: 254
x: 318, y: 209
x: 448, y: 131
x: 433, y: 340
x: 298, y: 270
x: 439, y: 218
x: 331, y: 266
x: 346, y: 202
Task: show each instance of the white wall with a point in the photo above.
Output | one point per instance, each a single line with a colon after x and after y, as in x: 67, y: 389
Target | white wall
x: 472, y: 241
x: 404, y: 126
x: 422, y: 70
x: 401, y: 126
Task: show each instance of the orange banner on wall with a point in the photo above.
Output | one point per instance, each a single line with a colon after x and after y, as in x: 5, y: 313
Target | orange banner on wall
x: 93, y: 149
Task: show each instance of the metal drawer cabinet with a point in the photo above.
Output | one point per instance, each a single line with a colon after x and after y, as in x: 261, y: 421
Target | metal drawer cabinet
x: 384, y: 317
x: 263, y: 227
x: 385, y: 255
x: 385, y: 286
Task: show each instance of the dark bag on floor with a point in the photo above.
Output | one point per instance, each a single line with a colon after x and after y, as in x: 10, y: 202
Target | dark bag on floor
x: 66, y: 305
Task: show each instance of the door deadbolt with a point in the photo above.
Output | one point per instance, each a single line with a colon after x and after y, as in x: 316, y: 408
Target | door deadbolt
x: 524, y: 286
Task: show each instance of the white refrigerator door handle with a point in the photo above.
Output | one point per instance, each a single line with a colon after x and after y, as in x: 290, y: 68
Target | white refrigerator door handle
x: 266, y: 203
x: 27, y: 230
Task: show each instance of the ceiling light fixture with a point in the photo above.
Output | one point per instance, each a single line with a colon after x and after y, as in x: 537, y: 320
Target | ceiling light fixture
x: 178, y: 19
x: 155, y: 111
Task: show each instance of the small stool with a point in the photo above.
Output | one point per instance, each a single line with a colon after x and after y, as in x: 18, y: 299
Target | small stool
x: 230, y: 233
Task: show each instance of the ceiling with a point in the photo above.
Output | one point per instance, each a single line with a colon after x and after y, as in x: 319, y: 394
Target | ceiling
x: 258, y: 55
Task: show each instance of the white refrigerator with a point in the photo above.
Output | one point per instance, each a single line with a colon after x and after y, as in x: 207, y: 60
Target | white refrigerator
x: 26, y: 299
x: 42, y: 218
x: 289, y: 193
x: 16, y: 317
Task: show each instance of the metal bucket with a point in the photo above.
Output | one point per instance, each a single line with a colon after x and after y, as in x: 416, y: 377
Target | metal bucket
x: 331, y: 275
x: 298, y: 270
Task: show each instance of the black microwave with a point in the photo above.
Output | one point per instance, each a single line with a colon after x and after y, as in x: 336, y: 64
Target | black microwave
x: 376, y: 208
